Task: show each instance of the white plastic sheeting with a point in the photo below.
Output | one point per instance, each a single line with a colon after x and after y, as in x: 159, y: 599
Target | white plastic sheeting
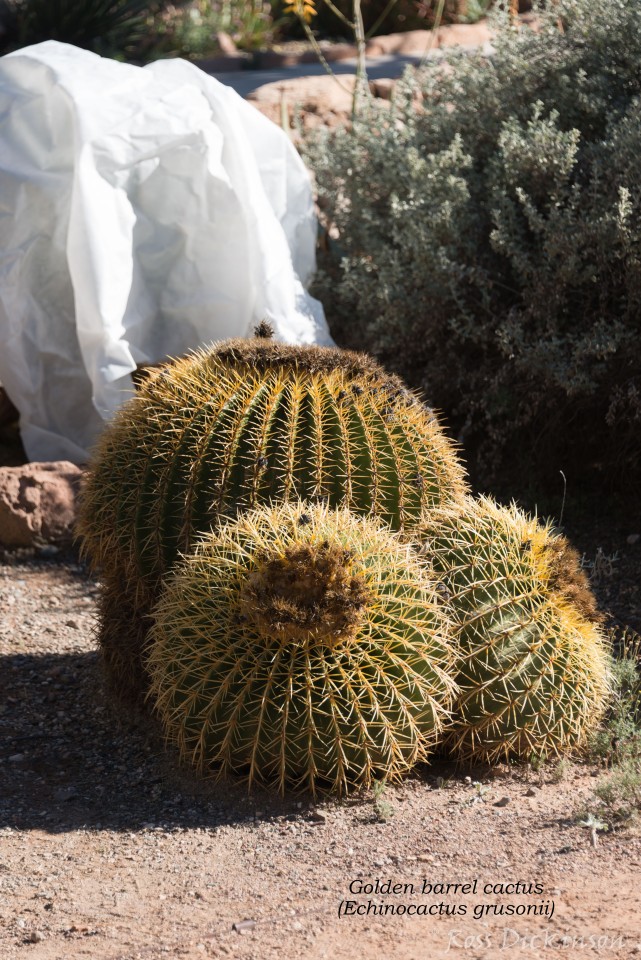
x: 143, y: 212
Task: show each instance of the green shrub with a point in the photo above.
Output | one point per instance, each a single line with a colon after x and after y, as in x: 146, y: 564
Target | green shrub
x: 620, y: 794
x: 191, y: 30
x: 617, y: 742
x: 380, y: 17
x: 104, y: 26
x: 488, y: 244
x: 618, y: 739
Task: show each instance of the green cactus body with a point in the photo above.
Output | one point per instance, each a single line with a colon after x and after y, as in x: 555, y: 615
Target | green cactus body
x: 533, y: 672
x: 246, y: 423
x: 302, y: 646
x: 252, y: 422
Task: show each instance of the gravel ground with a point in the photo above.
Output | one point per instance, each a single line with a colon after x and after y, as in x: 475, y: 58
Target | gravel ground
x: 107, y: 850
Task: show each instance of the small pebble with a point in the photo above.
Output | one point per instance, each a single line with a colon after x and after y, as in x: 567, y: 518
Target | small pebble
x: 318, y: 816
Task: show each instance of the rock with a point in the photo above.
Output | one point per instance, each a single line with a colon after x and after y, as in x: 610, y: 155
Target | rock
x: 38, y: 503
x: 633, y: 538
x: 503, y: 802
x: 464, y: 35
x: 332, y: 52
x: 320, y: 100
x: 414, y: 43
x: 274, y: 59
x: 383, y: 88
x: 227, y: 46
x: 410, y: 43
x: 318, y: 817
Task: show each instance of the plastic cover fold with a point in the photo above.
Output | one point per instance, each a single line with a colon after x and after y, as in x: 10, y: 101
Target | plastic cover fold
x: 143, y: 212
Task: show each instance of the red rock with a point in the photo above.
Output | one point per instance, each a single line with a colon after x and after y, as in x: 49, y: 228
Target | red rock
x: 409, y: 43
x: 383, y: 87
x: 464, y: 34
x: 38, y: 503
x: 321, y: 100
x: 332, y: 52
x: 417, y: 42
x: 226, y: 45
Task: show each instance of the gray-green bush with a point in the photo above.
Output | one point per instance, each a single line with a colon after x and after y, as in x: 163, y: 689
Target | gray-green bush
x: 488, y: 244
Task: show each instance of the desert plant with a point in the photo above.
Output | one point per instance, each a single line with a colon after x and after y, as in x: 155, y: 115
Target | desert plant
x: 104, y: 26
x: 487, y: 244
x: 533, y: 673
x: 191, y: 31
x: 383, y: 16
x: 250, y: 422
x: 617, y: 741
x: 619, y: 794
x: 618, y: 738
x: 302, y: 646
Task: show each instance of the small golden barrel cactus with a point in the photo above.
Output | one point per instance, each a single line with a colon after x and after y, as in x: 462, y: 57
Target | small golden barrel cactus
x: 533, y: 673
x: 302, y: 646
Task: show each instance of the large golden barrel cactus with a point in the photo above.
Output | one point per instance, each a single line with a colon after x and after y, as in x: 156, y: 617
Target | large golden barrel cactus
x: 302, y: 646
x: 533, y: 670
x: 244, y: 423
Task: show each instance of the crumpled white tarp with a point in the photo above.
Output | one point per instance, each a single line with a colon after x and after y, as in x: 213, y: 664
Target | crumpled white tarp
x: 143, y: 212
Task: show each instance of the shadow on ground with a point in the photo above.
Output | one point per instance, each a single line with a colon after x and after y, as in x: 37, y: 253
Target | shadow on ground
x: 68, y: 761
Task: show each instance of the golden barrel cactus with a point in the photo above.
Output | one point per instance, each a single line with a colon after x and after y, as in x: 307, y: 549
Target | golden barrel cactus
x: 302, y: 646
x: 245, y: 423
x: 533, y: 669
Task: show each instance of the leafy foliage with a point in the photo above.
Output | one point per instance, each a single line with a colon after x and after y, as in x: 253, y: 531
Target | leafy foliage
x: 381, y: 16
x: 487, y: 244
x: 104, y: 26
x: 617, y: 742
x: 191, y: 30
x: 618, y: 739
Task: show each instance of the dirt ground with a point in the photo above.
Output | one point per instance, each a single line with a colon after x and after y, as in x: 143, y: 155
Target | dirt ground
x: 108, y: 851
